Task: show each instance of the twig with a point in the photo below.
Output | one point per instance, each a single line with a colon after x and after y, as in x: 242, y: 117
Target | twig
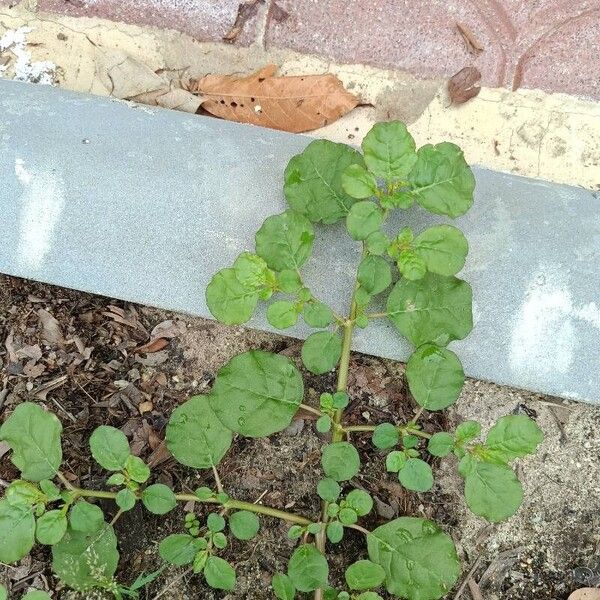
x: 466, y: 580
x: 171, y: 584
x: 310, y: 409
x: 217, y: 479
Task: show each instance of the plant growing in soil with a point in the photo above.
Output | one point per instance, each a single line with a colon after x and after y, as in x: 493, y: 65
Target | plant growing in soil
x: 258, y: 393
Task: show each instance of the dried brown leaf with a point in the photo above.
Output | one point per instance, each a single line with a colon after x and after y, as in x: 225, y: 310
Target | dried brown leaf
x: 295, y: 104
x: 246, y: 10
x: 586, y: 594
x: 166, y: 329
x: 33, y: 352
x: 153, y: 346
x: 51, y: 333
x: 9, y: 344
x: 33, y: 370
x: 463, y: 85
x: 471, y: 42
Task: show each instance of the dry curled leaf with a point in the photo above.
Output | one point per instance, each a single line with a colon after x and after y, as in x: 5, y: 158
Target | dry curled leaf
x: 51, y: 333
x: 295, y: 104
x: 471, y: 42
x: 155, y: 345
x: 586, y: 594
x: 463, y: 86
x: 246, y: 10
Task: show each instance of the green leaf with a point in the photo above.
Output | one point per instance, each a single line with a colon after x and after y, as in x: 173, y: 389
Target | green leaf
x: 285, y: 241
x: 314, y: 528
x: 244, y: 525
x: 369, y: 596
x: 492, y: 491
x: 283, y: 587
x: 34, y: 437
x: 228, y: 300
x: 411, y: 265
x: 514, y: 436
x: 364, y: 575
x: 313, y: 181
x: 377, y: 243
x: 374, y: 274
x: 23, y: 493
x: 442, y: 181
x: 358, y: 182
x: 416, y: 475
x: 317, y: 314
x: 389, y: 151
x: 340, y: 461
x: 84, y: 560
x: 435, y: 376
x: 289, y: 281
x: 257, y: 393
x: 36, y: 595
x: 328, y: 489
x: 116, y: 479
x: 137, y: 469
x: 294, y: 532
x: 321, y: 351
x: 86, y: 517
x: 360, y: 501
x: 110, y: 447
x: 251, y: 270
x: 195, y: 436
x: 51, y: 527
x: 308, y: 568
x: 219, y: 574
x: 335, y: 532
x: 17, y: 531
x: 385, y: 436
x: 440, y: 444
x: 395, y: 461
x: 443, y: 249
x: 323, y: 424
x: 467, y: 431
x: 348, y: 516
x: 215, y: 522
x: 340, y: 400
x: 434, y: 309
x: 282, y: 314
x: 418, y: 558
x: 219, y: 540
x: 364, y: 219
x: 178, y: 549
x: 125, y: 499
x: 159, y: 499
x: 3, y: 592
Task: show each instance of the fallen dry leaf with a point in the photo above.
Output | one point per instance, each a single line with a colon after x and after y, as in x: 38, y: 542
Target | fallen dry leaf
x: 471, y: 42
x: 296, y: 104
x: 246, y: 10
x: 145, y: 407
x: 51, y: 333
x: 586, y: 594
x: 153, y: 346
x: 462, y: 86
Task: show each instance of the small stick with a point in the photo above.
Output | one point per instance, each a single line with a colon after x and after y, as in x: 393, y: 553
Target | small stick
x: 466, y: 580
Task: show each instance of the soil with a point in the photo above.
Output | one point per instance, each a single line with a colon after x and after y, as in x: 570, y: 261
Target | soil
x: 83, y: 357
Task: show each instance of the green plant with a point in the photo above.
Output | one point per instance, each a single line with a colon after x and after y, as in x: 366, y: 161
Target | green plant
x: 258, y: 393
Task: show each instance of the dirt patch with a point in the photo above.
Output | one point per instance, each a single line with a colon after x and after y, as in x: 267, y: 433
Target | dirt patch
x: 87, y: 367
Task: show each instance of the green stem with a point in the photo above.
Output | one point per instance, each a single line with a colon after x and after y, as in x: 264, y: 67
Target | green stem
x: 403, y: 429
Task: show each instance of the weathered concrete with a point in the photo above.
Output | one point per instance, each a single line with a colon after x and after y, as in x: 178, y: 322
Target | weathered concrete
x: 146, y: 204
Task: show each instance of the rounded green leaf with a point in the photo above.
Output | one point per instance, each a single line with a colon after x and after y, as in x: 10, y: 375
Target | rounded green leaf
x: 86, y: 517
x: 374, y: 274
x: 358, y: 182
x: 17, y: 531
x: 251, y: 270
x: 23, y: 493
x: 514, y: 436
x: 257, y: 393
x: 51, y: 527
x: 159, y: 499
x: 335, y: 532
x: 348, y: 516
x: 33, y: 434
x: 195, y: 436
x: 137, y: 469
x: 109, y: 447
x: 283, y: 587
x: 395, y: 461
x: 435, y: 376
x: 440, y: 444
x: 364, y: 219
x: 360, y: 501
x: 178, y: 549
x: 3, y: 592
x: 411, y: 265
x: 369, y: 596
x: 308, y: 568
x: 317, y: 314
x: 285, y: 241
x: 282, y: 314
x: 321, y: 351
x: 442, y: 248
x: 385, y: 436
x: 244, y: 525
x: 228, y: 300
x: 125, y: 499
x: 35, y: 595
x: 416, y: 475
x: 219, y: 574
x: 313, y: 181
x: 442, y: 181
x: 215, y: 522
x: 289, y: 281
x: 50, y: 489
x: 364, y: 575
x: 434, y: 309
x: 418, y: 558
x: 467, y: 431
x: 85, y: 560
x: 328, y: 489
x: 389, y: 151
x: 377, y: 243
x: 340, y: 461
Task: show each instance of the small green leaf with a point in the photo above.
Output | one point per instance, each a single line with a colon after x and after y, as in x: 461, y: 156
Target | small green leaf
x: 137, y: 469
x: 317, y: 314
x: 228, y: 300
x: 340, y: 461
x: 313, y: 181
x: 86, y: 517
x: 411, y: 265
x: 23, y: 493
x: 244, y: 525
x: 435, y: 376
x: 377, y: 243
x: 348, y: 516
x: 410, y: 441
x: 51, y: 527
x: 440, y: 444
x: 116, y: 479
x: 178, y: 549
x: 282, y: 314
x: 308, y: 568
x: 195, y: 436
x: 36, y: 595
x: 328, y: 489
x: 17, y: 531
x: 159, y: 499
x: 125, y: 499
x: 215, y: 522
x: 467, y: 431
x: 285, y: 241
x: 251, y: 270
x: 257, y: 393
x: 442, y: 181
x: 416, y: 475
x: 333, y: 509
x: 323, y: 424
x: 358, y: 182
x: 294, y: 532
x: 321, y: 351
x: 51, y: 490
x: 219, y: 540
x: 33, y: 434
x: 289, y: 281
x: 335, y: 532
x: 364, y: 575
x: 395, y: 461
x: 385, y: 436
x: 3, y: 593
x: 360, y: 501
x: 204, y: 493
x: 434, y: 309
x: 219, y: 574
x: 314, y: 528
x: 340, y: 400
x: 374, y: 274
x: 326, y: 401
x: 442, y: 248
x: 399, y: 198
x: 514, y: 436
x: 369, y: 596
x: 110, y: 448
x: 283, y: 587
x: 364, y: 219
